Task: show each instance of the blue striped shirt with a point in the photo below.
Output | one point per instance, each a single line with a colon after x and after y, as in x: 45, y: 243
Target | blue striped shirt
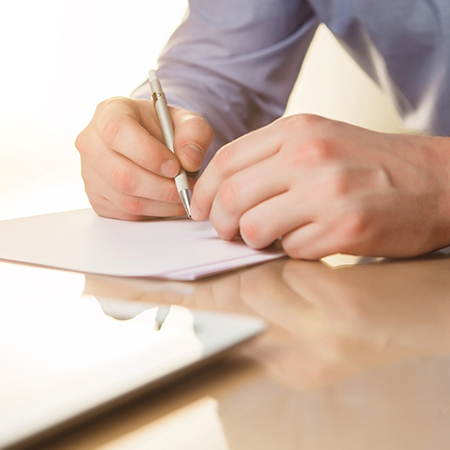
x: 236, y: 61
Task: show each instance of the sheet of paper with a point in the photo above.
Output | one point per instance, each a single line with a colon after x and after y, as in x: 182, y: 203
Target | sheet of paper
x: 81, y: 241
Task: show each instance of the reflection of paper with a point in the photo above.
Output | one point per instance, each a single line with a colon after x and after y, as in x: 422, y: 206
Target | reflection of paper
x: 80, y: 240
x: 340, y: 260
x: 61, y: 358
x: 71, y: 339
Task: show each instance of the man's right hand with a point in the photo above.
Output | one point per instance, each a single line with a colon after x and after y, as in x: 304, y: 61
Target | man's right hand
x: 127, y: 170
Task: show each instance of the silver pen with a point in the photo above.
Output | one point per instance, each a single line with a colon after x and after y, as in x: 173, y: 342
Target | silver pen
x: 159, y: 100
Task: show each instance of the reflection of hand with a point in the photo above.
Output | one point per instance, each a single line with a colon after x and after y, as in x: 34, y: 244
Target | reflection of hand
x: 218, y: 293
x: 327, y: 187
x: 127, y: 170
x: 331, y: 324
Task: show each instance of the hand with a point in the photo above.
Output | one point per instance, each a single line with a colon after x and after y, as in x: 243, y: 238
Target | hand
x: 127, y: 170
x: 327, y: 187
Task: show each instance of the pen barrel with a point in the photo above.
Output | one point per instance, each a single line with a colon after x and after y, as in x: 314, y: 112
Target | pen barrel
x: 181, y: 181
x: 167, y: 130
x: 162, y: 112
x: 164, y: 120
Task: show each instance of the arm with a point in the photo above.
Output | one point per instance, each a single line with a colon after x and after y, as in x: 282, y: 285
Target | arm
x: 236, y: 62
x: 233, y: 63
x: 327, y: 187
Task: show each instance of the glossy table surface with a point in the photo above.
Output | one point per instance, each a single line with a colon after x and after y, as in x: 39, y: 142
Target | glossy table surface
x: 356, y: 356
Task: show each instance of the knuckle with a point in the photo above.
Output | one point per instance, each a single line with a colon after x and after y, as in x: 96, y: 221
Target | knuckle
x: 228, y: 196
x: 300, y: 249
x: 376, y: 176
x: 148, y: 156
x: 317, y: 151
x: 112, y: 104
x: 338, y: 185
x: 194, y: 127
x: 110, y: 128
x: 123, y: 179
x: 82, y: 142
x: 194, y: 122
x: 132, y: 205
x: 169, y: 193
x: 296, y: 121
x: 224, y: 161
x: 251, y: 232
x: 353, y: 226
x: 203, y: 129
x: 298, y: 252
x: 113, y: 115
x: 293, y: 251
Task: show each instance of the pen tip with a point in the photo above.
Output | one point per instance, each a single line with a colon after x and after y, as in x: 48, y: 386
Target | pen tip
x: 185, y: 195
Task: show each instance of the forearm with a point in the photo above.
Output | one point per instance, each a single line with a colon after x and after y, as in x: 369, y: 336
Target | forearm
x: 236, y: 64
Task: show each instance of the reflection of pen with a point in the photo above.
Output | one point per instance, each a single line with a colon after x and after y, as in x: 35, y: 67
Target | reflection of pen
x: 161, y: 315
x: 159, y: 100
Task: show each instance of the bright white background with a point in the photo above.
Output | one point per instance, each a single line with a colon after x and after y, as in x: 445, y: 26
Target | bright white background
x: 59, y: 58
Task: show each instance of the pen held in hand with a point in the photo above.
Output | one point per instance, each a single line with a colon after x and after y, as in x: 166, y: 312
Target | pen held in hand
x: 162, y: 111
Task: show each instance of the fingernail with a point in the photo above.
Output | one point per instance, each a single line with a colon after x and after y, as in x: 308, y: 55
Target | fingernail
x: 193, y: 152
x: 169, y: 169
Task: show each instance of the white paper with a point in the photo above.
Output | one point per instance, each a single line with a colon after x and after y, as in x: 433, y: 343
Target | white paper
x: 81, y: 241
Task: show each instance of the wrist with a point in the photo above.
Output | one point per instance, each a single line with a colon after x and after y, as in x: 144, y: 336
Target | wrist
x: 436, y: 154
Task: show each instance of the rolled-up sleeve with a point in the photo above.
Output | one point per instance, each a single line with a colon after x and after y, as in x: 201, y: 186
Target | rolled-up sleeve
x: 235, y: 62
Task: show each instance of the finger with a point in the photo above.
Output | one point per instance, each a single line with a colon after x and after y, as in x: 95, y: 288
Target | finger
x: 343, y: 230
x: 127, y: 177
x: 234, y: 157
x: 313, y: 224
x: 104, y: 208
x: 263, y: 224
x: 127, y: 207
x: 242, y: 192
x: 312, y: 241
x: 192, y: 138
x: 118, y: 126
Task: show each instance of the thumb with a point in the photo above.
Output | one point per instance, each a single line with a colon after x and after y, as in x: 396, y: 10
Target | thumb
x: 192, y: 138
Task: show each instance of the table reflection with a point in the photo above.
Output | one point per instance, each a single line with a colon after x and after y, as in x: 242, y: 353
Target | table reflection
x: 355, y: 357
x: 325, y: 324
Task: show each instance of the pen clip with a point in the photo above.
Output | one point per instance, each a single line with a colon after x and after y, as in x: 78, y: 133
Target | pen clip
x: 158, y: 96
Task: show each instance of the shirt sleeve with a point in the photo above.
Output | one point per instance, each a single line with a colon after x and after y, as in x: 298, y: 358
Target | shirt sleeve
x: 235, y: 62
x: 403, y: 45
